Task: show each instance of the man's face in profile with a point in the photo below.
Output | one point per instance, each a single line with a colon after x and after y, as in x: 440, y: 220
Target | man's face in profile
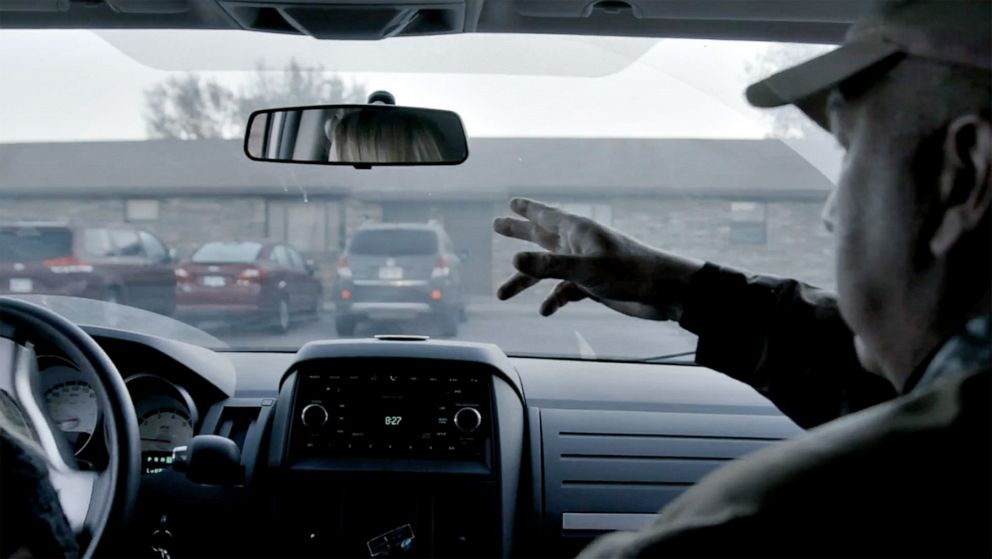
x: 874, y: 211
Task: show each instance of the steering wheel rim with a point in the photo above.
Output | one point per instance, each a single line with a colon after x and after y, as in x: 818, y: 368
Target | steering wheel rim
x: 111, y: 493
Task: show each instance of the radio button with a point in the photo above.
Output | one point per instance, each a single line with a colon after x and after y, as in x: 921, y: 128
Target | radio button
x: 468, y: 419
x: 314, y: 416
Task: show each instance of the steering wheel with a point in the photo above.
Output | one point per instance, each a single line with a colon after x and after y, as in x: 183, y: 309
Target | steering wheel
x: 92, y: 501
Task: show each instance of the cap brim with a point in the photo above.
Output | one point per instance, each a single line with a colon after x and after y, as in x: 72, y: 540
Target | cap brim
x: 800, y: 84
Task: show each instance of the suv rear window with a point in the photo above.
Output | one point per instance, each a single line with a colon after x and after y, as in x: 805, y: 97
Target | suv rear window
x: 393, y: 242
x: 228, y: 253
x: 28, y: 244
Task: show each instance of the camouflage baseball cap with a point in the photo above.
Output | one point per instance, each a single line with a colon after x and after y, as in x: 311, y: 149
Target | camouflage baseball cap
x: 955, y: 32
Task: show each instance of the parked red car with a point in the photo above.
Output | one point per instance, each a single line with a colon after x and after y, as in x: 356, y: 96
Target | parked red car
x: 265, y: 281
x: 119, y: 263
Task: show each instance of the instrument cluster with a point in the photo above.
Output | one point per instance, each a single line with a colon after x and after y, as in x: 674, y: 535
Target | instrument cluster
x: 167, y: 415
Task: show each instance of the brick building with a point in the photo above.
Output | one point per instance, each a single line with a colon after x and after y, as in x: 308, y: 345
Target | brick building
x: 749, y: 203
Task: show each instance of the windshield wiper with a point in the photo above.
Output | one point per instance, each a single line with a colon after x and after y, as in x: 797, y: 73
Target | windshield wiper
x: 668, y: 357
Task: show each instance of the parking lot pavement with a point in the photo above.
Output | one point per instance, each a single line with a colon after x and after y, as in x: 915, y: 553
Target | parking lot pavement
x: 582, y: 330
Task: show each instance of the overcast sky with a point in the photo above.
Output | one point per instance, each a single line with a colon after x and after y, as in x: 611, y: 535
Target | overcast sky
x: 75, y: 85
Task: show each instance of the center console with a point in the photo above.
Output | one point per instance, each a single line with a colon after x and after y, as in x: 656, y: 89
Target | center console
x: 397, y: 448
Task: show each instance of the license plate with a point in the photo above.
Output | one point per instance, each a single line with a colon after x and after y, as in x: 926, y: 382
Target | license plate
x: 214, y: 281
x: 390, y: 273
x: 20, y: 285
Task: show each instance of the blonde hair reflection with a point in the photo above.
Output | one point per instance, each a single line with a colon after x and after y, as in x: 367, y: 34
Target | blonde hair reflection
x: 385, y: 136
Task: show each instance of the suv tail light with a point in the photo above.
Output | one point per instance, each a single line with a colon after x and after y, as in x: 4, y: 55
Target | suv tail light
x: 344, y: 272
x: 441, y: 267
x: 68, y: 265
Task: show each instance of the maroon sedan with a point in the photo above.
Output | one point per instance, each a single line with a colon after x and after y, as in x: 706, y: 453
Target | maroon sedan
x: 117, y: 263
x: 265, y: 281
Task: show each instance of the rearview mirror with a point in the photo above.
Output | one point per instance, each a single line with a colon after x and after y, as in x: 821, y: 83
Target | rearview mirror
x: 358, y: 135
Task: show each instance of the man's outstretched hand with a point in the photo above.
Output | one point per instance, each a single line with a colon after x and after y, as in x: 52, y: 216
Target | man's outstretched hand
x: 593, y: 261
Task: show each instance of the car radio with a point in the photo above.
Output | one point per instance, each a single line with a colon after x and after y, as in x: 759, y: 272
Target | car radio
x: 368, y: 412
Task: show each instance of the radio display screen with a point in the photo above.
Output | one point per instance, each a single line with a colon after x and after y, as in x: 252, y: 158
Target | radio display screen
x: 390, y: 414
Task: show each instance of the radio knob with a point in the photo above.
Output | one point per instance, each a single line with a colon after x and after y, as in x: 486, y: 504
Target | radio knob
x: 468, y: 419
x: 314, y: 416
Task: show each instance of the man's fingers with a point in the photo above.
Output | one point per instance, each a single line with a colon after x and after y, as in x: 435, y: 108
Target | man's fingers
x: 515, y: 228
x: 525, y: 231
x: 514, y: 285
x: 564, y: 293
x: 541, y: 214
x: 545, y: 265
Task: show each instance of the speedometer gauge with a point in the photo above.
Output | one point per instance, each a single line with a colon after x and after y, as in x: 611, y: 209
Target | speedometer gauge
x: 73, y: 407
x: 163, y: 429
x: 166, y: 419
x: 70, y: 400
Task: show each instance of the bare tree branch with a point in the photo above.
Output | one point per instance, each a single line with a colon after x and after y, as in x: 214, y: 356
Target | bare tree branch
x: 787, y: 122
x: 189, y: 107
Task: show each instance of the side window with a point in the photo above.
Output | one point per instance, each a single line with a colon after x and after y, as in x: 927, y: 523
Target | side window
x: 298, y: 263
x: 154, y: 248
x: 280, y: 257
x: 126, y: 242
x: 96, y: 243
x: 748, y: 223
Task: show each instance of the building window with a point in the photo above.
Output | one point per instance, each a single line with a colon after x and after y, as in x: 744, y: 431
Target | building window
x: 748, y: 223
x: 141, y: 210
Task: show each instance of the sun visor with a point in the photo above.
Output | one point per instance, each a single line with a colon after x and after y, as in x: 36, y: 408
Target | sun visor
x: 34, y: 6
x: 835, y: 11
x: 462, y: 53
x: 146, y: 7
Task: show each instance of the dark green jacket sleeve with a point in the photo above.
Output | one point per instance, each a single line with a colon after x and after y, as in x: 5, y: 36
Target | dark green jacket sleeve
x: 784, y: 338
x: 31, y: 517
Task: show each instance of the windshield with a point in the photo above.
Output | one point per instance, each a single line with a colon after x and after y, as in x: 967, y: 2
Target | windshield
x: 650, y: 137
x: 227, y: 253
x: 409, y: 242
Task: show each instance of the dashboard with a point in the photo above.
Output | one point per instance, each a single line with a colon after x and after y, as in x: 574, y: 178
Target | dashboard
x: 403, y: 447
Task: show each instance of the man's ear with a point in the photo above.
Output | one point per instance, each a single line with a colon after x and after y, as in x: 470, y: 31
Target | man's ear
x: 965, y: 195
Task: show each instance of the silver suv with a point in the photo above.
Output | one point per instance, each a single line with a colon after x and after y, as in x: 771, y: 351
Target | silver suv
x: 399, y: 271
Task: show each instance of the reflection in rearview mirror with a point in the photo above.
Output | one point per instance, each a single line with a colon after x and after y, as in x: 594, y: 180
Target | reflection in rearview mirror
x: 358, y: 135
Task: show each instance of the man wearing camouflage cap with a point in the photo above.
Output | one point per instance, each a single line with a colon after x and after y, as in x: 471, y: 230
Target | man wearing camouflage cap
x: 893, y: 375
